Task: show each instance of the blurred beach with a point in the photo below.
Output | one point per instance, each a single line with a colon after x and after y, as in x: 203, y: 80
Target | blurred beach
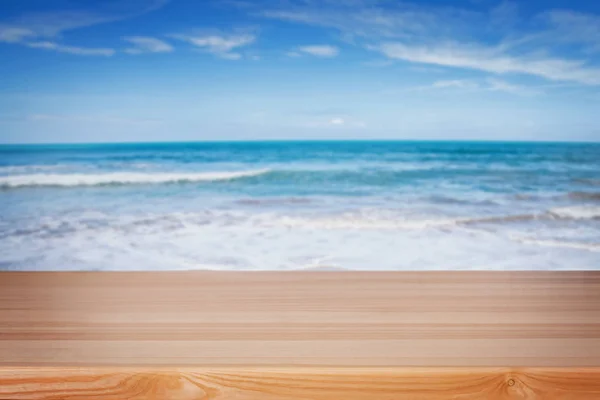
x: 370, y: 205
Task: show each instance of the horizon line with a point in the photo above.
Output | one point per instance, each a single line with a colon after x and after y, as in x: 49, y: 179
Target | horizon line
x: 301, y: 141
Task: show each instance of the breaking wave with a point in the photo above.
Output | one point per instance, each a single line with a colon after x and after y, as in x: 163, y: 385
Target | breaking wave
x: 121, y: 178
x: 174, y: 222
x: 380, y: 223
x: 576, y: 212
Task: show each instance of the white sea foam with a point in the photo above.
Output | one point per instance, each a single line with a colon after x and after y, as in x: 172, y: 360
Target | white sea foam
x: 20, y: 169
x: 175, y: 222
x: 576, y: 212
x: 121, y: 178
x: 158, y: 242
x: 243, y: 239
x: 360, y: 222
x: 559, y: 243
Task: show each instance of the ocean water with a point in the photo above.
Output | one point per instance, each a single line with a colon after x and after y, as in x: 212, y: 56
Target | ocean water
x: 300, y: 205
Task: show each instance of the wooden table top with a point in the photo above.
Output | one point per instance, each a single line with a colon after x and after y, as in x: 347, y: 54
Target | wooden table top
x: 195, y: 332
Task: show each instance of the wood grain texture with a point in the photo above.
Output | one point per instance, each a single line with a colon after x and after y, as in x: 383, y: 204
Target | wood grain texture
x: 299, y: 384
x: 319, y: 319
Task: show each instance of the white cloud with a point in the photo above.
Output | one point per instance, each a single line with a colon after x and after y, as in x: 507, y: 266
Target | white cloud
x: 500, y: 40
x: 320, y: 50
x: 373, y: 18
x: 293, y: 54
x: 90, y: 119
x: 82, y: 51
x: 487, y: 85
x: 53, y: 23
x: 494, y: 61
x: 496, y: 85
x: 40, y: 29
x: 230, y: 56
x: 455, y: 83
x: 14, y: 35
x: 574, y: 27
x: 220, y: 45
x: 334, y: 122
x: 144, y: 44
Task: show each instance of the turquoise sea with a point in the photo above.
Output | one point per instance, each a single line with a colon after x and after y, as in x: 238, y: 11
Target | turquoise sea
x: 370, y: 205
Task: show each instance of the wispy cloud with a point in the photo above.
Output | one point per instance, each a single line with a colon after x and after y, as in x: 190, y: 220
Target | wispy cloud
x: 493, y: 60
x: 14, y: 35
x: 347, y: 122
x: 485, y: 85
x: 339, y: 121
x: 319, y: 50
x: 220, y: 45
x: 91, y: 119
x: 497, y: 85
x: 51, y: 24
x: 372, y: 18
x: 144, y: 44
x: 42, y: 29
x: 230, y: 56
x: 456, y: 84
x: 82, y: 51
x: 574, y: 27
x: 497, y: 41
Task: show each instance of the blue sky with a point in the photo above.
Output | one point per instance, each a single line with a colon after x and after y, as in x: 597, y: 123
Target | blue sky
x: 156, y: 70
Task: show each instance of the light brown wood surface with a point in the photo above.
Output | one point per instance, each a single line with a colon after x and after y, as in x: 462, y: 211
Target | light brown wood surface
x: 300, y: 384
x: 516, y: 319
x: 300, y: 335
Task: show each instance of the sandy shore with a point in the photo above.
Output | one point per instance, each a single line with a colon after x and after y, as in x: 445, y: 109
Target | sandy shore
x: 266, y: 319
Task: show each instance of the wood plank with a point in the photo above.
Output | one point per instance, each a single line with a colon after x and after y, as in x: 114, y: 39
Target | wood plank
x: 299, y: 384
x: 304, y: 335
x: 319, y: 319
